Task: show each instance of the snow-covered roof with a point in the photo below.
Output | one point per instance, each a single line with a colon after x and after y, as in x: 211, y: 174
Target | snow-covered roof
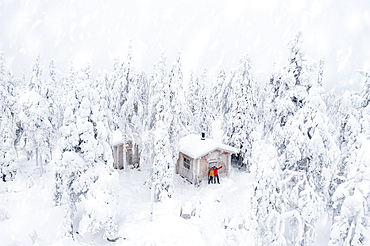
x: 193, y: 146
x: 116, y: 138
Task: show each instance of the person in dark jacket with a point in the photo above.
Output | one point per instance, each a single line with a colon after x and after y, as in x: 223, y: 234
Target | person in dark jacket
x: 215, y: 170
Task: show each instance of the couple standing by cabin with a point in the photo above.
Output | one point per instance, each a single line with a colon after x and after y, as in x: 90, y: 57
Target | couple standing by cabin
x: 213, y: 175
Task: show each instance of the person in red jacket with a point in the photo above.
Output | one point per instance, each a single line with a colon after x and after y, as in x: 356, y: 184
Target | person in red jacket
x: 215, y: 170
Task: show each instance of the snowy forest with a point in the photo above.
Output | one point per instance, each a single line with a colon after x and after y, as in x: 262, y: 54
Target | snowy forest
x: 303, y: 155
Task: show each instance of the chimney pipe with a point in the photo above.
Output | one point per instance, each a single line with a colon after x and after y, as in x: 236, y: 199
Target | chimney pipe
x: 203, y: 136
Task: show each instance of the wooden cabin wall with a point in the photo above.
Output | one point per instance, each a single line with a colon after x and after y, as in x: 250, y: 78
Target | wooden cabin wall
x: 184, y: 172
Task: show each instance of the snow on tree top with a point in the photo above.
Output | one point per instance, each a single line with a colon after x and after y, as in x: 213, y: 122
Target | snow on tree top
x: 193, y: 146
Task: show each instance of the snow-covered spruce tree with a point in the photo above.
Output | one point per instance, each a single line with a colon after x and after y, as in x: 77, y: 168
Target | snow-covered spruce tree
x: 321, y: 72
x: 179, y: 110
x: 351, y: 226
x: 287, y: 216
x: 157, y: 125
x: 35, y: 83
x: 146, y: 140
x: 8, y: 164
x: 70, y: 81
x: 278, y: 106
x: 287, y: 94
x: 306, y: 149
x: 203, y: 117
x: 163, y: 168
x: 121, y: 78
x: 344, y: 106
x: 34, y: 116
x: 158, y: 90
x: 217, y: 98
x: 309, y: 164
x: 134, y: 111
x: 88, y: 72
x: 351, y: 198
x: 365, y: 111
x: 366, y: 89
x: 193, y: 99
x: 289, y: 89
x: 143, y: 85
x: 132, y: 117
x: 102, y: 87
x: 225, y: 93
x: 266, y: 200
x: 50, y: 93
x: 83, y: 164
x: 345, y: 115
x: 65, y: 85
x: 240, y: 119
x: 8, y: 84
x: 101, y: 208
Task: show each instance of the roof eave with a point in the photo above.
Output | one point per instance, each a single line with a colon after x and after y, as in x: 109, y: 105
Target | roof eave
x: 211, y: 150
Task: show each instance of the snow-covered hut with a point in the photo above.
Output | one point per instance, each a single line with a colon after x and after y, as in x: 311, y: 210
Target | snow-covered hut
x: 132, y: 153
x: 198, y: 154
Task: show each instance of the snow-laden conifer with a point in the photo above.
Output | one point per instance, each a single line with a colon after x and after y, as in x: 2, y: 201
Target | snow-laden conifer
x: 345, y: 115
x: 158, y: 152
x: 35, y: 117
x: 309, y: 164
x: 8, y: 164
x: 307, y: 151
x: 366, y: 88
x: 101, y: 208
x: 102, y: 87
x: 84, y: 162
x: 351, y: 225
x: 163, y: 169
x: 181, y: 115
x: 51, y: 94
x: 240, y: 117
x: 320, y: 76
x: 193, y: 99
x: 266, y: 199
x: 121, y: 78
x: 158, y: 90
x: 351, y: 198
x: 217, y: 98
x: 132, y: 113
x: 35, y: 82
x: 143, y: 85
x: 203, y: 118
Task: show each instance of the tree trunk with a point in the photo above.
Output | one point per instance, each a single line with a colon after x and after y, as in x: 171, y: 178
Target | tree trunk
x: 41, y: 167
x: 151, y: 202
x: 124, y: 154
x: 37, y: 157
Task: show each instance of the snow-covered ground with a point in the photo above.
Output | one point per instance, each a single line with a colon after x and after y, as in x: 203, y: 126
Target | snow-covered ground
x: 28, y: 214
x: 28, y: 208
x: 218, y: 212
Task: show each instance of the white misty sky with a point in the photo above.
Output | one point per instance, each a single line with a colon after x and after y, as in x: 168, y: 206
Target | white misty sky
x: 208, y: 33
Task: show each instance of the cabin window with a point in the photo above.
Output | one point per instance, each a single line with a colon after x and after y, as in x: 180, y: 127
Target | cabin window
x: 187, y: 163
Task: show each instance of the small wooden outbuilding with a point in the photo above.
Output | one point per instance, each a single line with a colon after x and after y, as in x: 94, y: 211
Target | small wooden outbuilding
x: 132, y: 152
x: 198, y: 154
